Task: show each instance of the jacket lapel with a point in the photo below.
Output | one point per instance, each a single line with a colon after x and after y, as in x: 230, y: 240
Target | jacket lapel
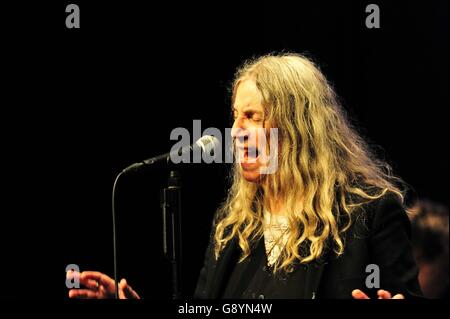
x: 314, y: 273
x: 313, y: 276
x: 224, y: 266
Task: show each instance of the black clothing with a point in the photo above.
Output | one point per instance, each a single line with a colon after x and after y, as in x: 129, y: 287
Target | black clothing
x: 380, y: 235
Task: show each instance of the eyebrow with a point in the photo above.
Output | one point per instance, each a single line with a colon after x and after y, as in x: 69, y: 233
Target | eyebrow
x: 249, y: 109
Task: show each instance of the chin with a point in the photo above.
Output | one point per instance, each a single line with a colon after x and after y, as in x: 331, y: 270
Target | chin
x: 252, y: 176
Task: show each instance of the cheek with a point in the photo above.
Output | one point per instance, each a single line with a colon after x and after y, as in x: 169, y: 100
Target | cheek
x: 258, y: 136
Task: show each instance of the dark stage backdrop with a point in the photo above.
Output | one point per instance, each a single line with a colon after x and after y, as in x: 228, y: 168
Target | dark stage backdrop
x: 80, y: 105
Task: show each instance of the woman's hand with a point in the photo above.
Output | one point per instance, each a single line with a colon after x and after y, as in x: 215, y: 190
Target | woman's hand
x: 99, y: 286
x: 382, y: 294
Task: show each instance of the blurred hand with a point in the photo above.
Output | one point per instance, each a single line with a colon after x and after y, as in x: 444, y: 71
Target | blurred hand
x: 382, y: 294
x: 99, y: 286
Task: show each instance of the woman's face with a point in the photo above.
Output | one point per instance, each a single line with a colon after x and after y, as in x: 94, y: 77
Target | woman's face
x: 249, y: 130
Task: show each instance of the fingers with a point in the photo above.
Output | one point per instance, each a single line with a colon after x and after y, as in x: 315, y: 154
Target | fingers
x: 99, y: 285
x: 130, y: 293
x: 122, y: 286
x: 83, y: 293
x: 358, y: 294
x: 97, y: 276
x: 86, y: 277
x: 384, y: 294
x: 91, y: 284
x: 88, y: 283
x: 126, y: 292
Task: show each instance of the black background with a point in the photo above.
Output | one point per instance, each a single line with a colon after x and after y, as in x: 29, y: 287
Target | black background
x: 78, y: 105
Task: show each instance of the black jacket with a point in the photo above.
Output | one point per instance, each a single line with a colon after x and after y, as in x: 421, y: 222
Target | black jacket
x: 380, y: 235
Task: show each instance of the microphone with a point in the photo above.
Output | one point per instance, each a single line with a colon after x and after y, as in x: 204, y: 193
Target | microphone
x: 207, y: 144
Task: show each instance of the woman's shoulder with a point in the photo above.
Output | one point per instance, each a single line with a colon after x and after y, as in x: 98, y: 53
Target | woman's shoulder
x: 381, y: 212
x: 387, y: 202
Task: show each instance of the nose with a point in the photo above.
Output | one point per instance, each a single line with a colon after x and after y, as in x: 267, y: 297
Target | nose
x: 239, y: 129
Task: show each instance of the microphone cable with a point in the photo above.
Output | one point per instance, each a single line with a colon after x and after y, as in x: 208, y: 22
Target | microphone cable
x: 114, y: 225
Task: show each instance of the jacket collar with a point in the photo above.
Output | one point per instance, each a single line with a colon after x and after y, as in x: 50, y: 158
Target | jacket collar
x: 230, y: 256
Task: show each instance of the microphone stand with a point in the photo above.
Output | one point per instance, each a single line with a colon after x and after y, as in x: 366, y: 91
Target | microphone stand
x: 171, y: 213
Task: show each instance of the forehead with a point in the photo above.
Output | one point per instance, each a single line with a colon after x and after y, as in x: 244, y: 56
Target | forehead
x: 247, y: 95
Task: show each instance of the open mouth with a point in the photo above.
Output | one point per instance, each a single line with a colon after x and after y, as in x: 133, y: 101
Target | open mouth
x: 247, y: 155
x: 251, y: 153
